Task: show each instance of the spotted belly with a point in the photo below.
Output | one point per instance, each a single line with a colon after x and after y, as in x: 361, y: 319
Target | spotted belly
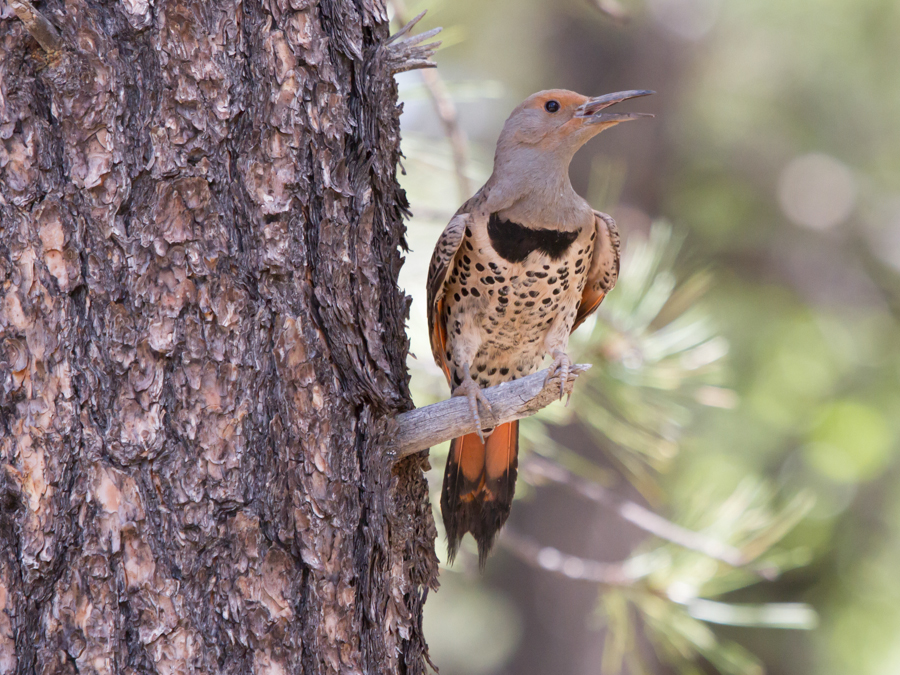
x: 505, y: 309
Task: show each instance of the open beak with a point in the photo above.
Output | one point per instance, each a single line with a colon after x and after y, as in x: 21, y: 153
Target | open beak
x: 592, y: 113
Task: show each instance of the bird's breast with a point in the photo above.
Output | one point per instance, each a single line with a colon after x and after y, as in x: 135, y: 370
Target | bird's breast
x: 507, y: 300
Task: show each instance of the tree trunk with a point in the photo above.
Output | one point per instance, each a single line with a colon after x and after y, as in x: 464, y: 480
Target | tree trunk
x: 202, y: 342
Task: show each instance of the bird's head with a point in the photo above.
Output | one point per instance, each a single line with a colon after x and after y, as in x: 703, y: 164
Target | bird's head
x: 558, y: 122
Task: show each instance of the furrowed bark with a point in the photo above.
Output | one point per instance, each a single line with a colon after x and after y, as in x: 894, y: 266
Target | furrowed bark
x: 201, y: 340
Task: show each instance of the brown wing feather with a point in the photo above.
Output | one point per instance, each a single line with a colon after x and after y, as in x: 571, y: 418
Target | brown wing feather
x: 604, y: 270
x: 441, y: 262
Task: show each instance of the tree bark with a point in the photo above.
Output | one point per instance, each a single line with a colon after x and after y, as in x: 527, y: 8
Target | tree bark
x: 201, y: 344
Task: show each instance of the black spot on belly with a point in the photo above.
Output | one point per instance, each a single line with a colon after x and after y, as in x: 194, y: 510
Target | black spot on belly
x: 513, y: 242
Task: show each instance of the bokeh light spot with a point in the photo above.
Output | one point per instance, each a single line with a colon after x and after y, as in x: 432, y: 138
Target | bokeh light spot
x: 850, y: 442
x: 470, y: 628
x: 816, y: 191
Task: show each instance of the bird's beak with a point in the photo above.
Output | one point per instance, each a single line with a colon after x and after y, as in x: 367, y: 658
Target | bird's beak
x: 591, y: 111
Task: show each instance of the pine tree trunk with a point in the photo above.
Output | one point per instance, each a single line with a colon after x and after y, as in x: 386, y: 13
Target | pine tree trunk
x: 202, y: 342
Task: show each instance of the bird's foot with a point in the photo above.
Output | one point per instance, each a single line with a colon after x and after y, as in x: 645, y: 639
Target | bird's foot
x: 561, y: 366
x: 473, y: 392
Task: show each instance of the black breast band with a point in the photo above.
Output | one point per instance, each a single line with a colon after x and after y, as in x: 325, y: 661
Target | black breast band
x: 513, y: 242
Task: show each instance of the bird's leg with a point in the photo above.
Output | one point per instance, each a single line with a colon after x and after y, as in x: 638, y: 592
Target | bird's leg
x: 470, y: 389
x: 563, y: 365
x: 556, y: 343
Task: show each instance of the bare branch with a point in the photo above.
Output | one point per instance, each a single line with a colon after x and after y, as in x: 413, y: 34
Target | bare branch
x: 37, y: 25
x: 636, y: 514
x: 570, y: 566
x: 446, y: 111
x: 424, y: 427
x: 459, y: 144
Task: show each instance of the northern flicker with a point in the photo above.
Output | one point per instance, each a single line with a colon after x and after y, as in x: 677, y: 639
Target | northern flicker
x: 517, y: 269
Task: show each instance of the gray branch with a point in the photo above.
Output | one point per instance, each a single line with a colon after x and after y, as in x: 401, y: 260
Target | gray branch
x: 424, y: 427
x: 570, y: 566
x: 636, y: 514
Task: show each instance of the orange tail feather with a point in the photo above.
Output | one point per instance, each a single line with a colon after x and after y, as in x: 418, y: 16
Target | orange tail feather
x: 479, y: 484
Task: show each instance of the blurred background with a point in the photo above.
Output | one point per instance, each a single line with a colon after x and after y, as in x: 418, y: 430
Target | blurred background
x: 746, y: 367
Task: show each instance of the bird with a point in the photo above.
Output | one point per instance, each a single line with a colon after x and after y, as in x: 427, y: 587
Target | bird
x: 519, y: 266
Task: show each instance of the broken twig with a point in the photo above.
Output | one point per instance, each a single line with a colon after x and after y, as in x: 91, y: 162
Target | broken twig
x: 407, y: 52
x: 446, y: 112
x: 37, y: 25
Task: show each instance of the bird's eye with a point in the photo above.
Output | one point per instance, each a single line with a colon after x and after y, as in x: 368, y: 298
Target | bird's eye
x: 551, y: 106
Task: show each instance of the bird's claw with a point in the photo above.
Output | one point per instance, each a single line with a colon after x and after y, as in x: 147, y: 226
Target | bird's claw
x: 562, y: 365
x: 473, y: 392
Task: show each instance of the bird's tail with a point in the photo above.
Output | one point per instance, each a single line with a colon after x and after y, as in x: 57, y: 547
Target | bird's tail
x: 479, y: 484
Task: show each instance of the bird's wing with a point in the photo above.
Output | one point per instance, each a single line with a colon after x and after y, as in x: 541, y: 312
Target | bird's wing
x: 441, y: 264
x: 604, y: 270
